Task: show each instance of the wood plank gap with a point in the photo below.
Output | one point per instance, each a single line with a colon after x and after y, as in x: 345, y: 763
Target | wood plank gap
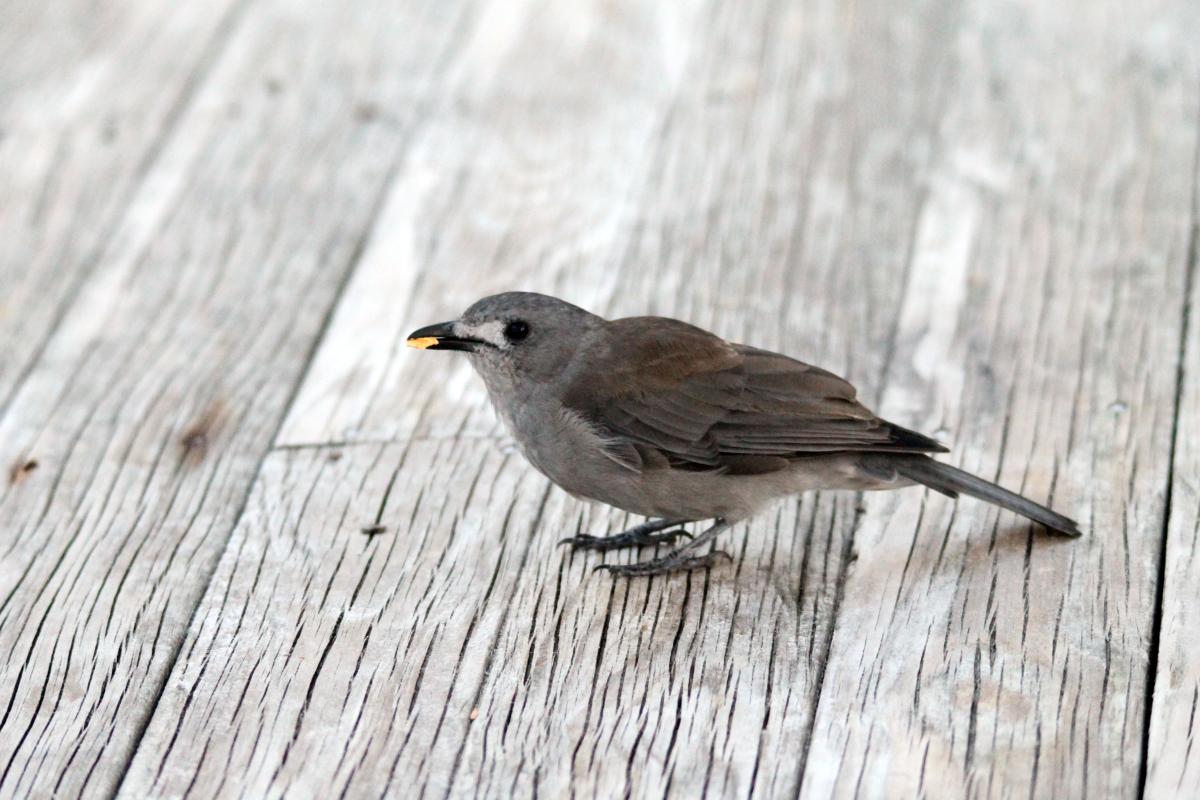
x: 839, y: 593
x: 418, y: 437
x: 1193, y: 256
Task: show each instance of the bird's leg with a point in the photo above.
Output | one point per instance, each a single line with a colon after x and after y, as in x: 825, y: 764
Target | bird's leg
x: 678, y: 560
x: 646, y: 533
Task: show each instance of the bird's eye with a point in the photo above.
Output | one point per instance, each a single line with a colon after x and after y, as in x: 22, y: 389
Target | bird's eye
x: 516, y: 330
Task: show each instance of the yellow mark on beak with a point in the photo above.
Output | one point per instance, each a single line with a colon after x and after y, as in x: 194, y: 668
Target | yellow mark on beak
x: 422, y: 342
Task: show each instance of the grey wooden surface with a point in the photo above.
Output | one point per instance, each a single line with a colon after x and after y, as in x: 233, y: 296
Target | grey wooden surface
x: 217, y: 221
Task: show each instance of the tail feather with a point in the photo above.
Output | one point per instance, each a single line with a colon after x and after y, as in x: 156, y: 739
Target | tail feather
x: 951, y: 481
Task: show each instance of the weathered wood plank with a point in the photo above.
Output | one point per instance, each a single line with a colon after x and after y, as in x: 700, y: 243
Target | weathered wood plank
x: 157, y: 397
x: 462, y: 652
x: 87, y: 95
x: 1173, y: 762
x: 776, y: 203
x: 328, y: 659
x: 973, y: 655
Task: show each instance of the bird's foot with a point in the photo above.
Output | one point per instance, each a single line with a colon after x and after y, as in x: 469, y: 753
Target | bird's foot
x: 634, y: 538
x: 646, y: 533
x: 679, y: 561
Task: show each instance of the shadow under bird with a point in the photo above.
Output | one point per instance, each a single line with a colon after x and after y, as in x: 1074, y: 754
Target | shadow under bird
x: 665, y: 420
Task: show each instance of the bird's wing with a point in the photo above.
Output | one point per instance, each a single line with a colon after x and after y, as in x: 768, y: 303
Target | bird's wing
x: 680, y: 394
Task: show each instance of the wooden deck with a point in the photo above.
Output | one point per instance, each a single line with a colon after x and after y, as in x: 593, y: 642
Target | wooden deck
x: 218, y: 219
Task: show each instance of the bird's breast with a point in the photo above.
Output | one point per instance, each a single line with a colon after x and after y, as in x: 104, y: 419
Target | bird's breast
x: 565, y: 448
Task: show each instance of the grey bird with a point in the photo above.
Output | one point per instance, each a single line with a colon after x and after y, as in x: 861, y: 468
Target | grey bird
x: 668, y: 421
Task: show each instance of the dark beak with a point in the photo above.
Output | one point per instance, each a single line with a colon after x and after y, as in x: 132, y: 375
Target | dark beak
x: 440, y: 337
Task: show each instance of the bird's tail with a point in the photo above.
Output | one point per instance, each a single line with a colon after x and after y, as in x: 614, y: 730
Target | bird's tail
x: 951, y: 481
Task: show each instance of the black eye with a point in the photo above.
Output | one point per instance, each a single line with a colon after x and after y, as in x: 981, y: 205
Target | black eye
x: 516, y: 330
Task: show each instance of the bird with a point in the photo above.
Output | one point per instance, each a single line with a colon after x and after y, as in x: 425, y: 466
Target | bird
x: 664, y: 420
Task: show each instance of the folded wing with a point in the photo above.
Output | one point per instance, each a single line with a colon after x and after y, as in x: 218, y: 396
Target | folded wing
x: 684, y: 397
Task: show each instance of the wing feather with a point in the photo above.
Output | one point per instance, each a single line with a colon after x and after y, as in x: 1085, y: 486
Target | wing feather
x: 704, y: 403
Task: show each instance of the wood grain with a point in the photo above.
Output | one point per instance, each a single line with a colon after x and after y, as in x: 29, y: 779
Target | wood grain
x: 974, y: 655
x: 80, y: 126
x: 581, y: 684
x: 1173, y: 767
x: 154, y: 401
x: 461, y: 652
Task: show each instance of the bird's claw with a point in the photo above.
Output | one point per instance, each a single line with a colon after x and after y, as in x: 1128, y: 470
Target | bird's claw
x: 585, y: 541
x: 675, y: 562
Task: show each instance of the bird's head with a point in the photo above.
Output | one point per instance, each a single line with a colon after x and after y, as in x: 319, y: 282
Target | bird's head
x: 521, y: 335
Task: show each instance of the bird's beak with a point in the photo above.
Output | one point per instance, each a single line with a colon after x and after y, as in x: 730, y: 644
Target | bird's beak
x: 441, y: 337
